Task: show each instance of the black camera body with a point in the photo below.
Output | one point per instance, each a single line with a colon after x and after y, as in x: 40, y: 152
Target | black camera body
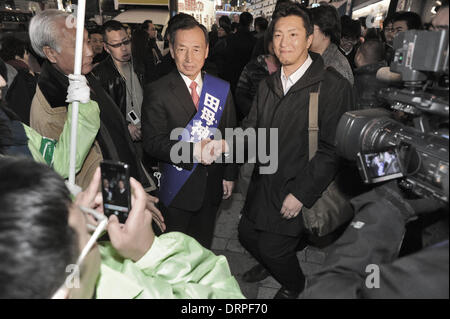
x: 410, y: 140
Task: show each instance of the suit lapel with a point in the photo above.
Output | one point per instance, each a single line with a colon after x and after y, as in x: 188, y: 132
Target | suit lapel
x: 179, y: 89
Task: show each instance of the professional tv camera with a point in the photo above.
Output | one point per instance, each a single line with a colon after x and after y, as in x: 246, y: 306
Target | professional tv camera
x: 409, y: 141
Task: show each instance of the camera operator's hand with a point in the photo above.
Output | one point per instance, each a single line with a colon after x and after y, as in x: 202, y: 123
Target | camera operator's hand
x: 134, y: 238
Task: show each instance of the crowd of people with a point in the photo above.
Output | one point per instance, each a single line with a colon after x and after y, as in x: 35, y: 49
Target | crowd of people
x: 132, y: 97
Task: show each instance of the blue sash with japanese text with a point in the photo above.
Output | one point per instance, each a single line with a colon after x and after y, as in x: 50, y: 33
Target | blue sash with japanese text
x: 202, y: 126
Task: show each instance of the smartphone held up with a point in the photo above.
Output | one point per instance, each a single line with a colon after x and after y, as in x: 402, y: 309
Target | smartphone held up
x: 116, y: 189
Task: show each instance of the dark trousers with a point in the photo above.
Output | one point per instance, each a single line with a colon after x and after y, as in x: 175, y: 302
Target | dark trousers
x: 276, y: 252
x: 197, y: 224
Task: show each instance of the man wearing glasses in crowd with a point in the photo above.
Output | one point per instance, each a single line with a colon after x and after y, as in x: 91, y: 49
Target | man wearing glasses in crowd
x: 118, y: 77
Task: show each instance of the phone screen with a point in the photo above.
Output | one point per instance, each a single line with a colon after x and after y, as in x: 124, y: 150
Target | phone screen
x: 381, y: 166
x: 116, y: 189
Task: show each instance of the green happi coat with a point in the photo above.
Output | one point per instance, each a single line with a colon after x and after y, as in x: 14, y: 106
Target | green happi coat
x: 176, y: 266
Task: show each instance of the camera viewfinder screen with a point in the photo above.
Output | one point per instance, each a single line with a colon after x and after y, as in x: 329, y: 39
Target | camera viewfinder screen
x: 383, y: 165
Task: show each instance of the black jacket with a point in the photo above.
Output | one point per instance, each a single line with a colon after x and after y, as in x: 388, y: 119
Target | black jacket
x: 305, y: 179
x: 247, y: 86
x: 367, y: 86
x: 113, y: 83
x: 13, y: 138
x: 168, y: 105
x: 238, y: 53
x: 351, y: 56
x: 218, y: 54
x: 21, y: 93
x: 369, y: 249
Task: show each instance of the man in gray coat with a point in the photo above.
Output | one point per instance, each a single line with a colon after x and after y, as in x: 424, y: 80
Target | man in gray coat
x: 327, y: 36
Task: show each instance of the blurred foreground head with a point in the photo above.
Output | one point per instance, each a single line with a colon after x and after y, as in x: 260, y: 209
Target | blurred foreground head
x: 41, y: 233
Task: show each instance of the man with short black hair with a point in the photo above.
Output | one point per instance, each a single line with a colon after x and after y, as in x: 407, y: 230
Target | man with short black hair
x: 327, y: 37
x: 118, y: 76
x: 149, y: 27
x: 350, y: 38
x: 261, y: 25
x: 406, y: 20
x: 388, y: 33
x: 96, y: 38
x: 271, y: 226
x: 18, y: 54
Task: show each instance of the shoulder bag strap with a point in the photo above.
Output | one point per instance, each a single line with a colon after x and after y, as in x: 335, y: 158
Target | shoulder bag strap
x: 313, y: 123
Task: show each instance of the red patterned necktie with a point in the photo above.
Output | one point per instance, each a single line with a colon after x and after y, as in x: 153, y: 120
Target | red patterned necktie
x: 195, y: 97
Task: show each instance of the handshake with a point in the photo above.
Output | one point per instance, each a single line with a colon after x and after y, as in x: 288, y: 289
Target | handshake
x: 207, y: 151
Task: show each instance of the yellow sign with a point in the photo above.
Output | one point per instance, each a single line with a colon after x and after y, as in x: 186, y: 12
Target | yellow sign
x: 148, y: 2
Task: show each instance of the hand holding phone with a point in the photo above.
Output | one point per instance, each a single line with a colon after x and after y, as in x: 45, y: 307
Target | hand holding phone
x: 134, y: 238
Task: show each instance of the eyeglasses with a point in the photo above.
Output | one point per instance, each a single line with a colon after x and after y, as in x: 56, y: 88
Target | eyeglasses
x: 118, y: 45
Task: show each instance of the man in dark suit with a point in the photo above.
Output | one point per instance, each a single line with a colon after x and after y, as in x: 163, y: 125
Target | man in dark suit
x: 170, y: 103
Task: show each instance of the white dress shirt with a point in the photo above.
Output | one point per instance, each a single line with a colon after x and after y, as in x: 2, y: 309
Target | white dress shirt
x: 288, y: 82
x: 198, y: 80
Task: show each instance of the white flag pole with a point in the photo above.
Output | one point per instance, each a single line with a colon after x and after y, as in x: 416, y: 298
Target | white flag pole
x: 77, y: 71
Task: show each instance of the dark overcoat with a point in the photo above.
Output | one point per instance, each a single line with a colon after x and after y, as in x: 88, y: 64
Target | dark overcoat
x: 305, y: 179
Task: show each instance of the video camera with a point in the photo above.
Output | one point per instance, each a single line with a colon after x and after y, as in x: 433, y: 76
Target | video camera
x: 410, y: 140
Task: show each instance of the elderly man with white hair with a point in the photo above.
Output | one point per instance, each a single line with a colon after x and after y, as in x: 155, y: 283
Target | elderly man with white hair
x: 52, y: 35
